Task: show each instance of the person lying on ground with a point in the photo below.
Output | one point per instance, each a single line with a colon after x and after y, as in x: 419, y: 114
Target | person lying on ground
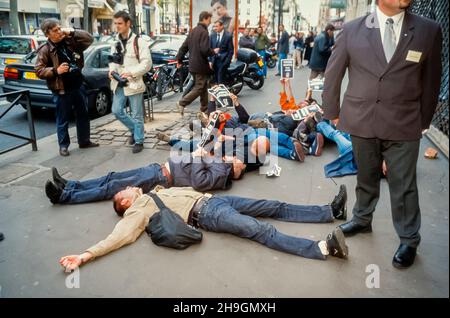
x: 223, y: 214
x: 194, y: 170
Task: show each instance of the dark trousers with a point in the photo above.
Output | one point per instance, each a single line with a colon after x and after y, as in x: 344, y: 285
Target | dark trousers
x: 219, y: 72
x: 104, y: 188
x: 64, y: 104
x: 401, y: 160
x: 200, y: 89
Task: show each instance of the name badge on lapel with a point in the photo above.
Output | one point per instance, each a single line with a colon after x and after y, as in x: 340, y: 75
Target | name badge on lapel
x: 414, y: 56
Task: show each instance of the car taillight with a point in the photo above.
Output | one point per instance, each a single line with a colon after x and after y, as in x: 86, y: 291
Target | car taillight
x: 11, y: 73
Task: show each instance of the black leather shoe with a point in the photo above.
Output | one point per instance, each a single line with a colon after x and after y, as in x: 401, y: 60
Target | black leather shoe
x: 64, y: 152
x: 138, y: 148
x: 90, y: 144
x: 336, y: 244
x: 352, y: 228
x: 60, y: 181
x: 404, y: 257
x: 53, y: 192
x: 339, y: 204
x: 2, y: 237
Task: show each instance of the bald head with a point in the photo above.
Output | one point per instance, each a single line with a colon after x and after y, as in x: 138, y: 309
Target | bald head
x: 260, y: 146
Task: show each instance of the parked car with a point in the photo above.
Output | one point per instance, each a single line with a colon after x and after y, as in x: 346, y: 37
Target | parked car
x: 19, y: 76
x: 165, y: 48
x: 13, y: 48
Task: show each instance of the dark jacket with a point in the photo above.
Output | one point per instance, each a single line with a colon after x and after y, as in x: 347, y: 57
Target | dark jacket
x: 308, y: 48
x: 198, y: 45
x: 246, y: 42
x: 47, y: 61
x: 299, y: 44
x: 225, y: 55
x: 390, y: 101
x: 283, y: 43
x: 321, y: 52
x: 202, y: 176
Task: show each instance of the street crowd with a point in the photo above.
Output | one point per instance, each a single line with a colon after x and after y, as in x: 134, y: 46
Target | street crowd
x: 377, y: 130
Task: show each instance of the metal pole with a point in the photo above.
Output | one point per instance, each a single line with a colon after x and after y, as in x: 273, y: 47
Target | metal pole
x: 86, y: 15
x: 13, y: 18
x: 31, y: 123
x: 279, y: 17
x: 177, y: 17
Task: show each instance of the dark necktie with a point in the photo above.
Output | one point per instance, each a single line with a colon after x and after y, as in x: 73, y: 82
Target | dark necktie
x: 218, y: 39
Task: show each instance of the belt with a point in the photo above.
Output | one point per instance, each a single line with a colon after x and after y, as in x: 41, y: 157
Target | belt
x: 167, y: 174
x: 196, y: 209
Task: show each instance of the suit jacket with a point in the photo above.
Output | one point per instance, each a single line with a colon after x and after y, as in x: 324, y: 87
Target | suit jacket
x: 225, y: 55
x: 390, y: 101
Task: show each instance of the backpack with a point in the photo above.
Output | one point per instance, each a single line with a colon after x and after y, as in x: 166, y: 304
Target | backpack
x: 166, y: 228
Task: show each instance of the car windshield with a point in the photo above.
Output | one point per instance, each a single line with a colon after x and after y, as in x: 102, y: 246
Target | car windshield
x: 167, y: 44
x: 15, y: 45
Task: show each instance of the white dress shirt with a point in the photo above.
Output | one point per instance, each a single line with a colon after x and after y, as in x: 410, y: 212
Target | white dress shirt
x: 398, y: 22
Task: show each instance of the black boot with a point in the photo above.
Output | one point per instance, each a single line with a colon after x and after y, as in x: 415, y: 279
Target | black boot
x: 339, y: 204
x: 53, y: 192
x: 336, y: 244
x: 59, y: 181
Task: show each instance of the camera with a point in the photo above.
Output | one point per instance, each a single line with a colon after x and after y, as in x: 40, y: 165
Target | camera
x: 118, y: 56
x: 73, y: 68
x: 122, y: 81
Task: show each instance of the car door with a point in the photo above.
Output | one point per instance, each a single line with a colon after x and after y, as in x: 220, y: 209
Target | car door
x: 96, y: 70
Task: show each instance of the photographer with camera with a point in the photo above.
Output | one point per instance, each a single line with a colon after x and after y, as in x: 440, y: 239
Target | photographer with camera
x: 129, y: 62
x: 59, y: 62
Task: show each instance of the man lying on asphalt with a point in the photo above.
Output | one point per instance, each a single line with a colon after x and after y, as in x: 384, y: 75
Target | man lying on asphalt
x: 222, y: 214
x: 194, y: 170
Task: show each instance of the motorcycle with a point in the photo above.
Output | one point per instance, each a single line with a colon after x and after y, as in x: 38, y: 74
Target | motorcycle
x: 254, y: 75
x: 271, y: 57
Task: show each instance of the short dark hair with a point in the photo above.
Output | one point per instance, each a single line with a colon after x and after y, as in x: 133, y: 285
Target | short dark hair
x: 120, y: 210
x: 204, y: 15
x: 49, y: 24
x: 330, y: 27
x: 220, y: 21
x: 122, y: 14
x: 222, y: 2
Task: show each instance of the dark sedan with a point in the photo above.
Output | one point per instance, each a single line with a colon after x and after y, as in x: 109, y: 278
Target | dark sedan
x: 165, y: 48
x: 19, y: 76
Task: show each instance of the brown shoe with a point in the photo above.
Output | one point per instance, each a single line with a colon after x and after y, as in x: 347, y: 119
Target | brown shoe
x: 163, y: 137
x: 203, y: 118
x: 298, y: 153
x: 257, y: 123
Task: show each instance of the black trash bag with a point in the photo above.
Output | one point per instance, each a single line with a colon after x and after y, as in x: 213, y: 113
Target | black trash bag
x: 166, y: 228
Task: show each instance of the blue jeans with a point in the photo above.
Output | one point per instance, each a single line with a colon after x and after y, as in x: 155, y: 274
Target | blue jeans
x: 281, y: 56
x: 284, y: 147
x: 263, y: 56
x: 236, y: 215
x: 345, y: 164
x: 135, y: 124
x: 104, y: 188
x: 342, y: 140
x: 64, y: 103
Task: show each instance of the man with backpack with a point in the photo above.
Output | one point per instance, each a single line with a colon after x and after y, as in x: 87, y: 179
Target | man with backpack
x: 223, y: 214
x: 130, y: 61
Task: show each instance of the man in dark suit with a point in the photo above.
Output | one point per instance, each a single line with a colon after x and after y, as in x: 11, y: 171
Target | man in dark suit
x: 222, y: 40
x: 394, y: 62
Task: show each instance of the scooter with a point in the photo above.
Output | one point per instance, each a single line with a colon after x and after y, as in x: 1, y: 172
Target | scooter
x: 271, y: 57
x: 254, y: 75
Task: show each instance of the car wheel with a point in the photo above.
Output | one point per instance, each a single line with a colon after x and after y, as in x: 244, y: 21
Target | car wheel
x: 101, y: 104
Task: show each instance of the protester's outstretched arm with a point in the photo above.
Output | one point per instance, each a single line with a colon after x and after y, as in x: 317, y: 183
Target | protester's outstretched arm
x: 240, y: 110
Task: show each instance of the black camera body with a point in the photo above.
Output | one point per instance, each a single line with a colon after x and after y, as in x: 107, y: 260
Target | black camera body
x: 118, y: 56
x: 73, y: 68
x: 122, y: 81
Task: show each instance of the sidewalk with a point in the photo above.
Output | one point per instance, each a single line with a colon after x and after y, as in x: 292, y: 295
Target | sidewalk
x: 37, y: 233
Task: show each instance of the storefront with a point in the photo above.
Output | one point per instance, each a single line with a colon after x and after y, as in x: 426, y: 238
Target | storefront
x: 31, y: 13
